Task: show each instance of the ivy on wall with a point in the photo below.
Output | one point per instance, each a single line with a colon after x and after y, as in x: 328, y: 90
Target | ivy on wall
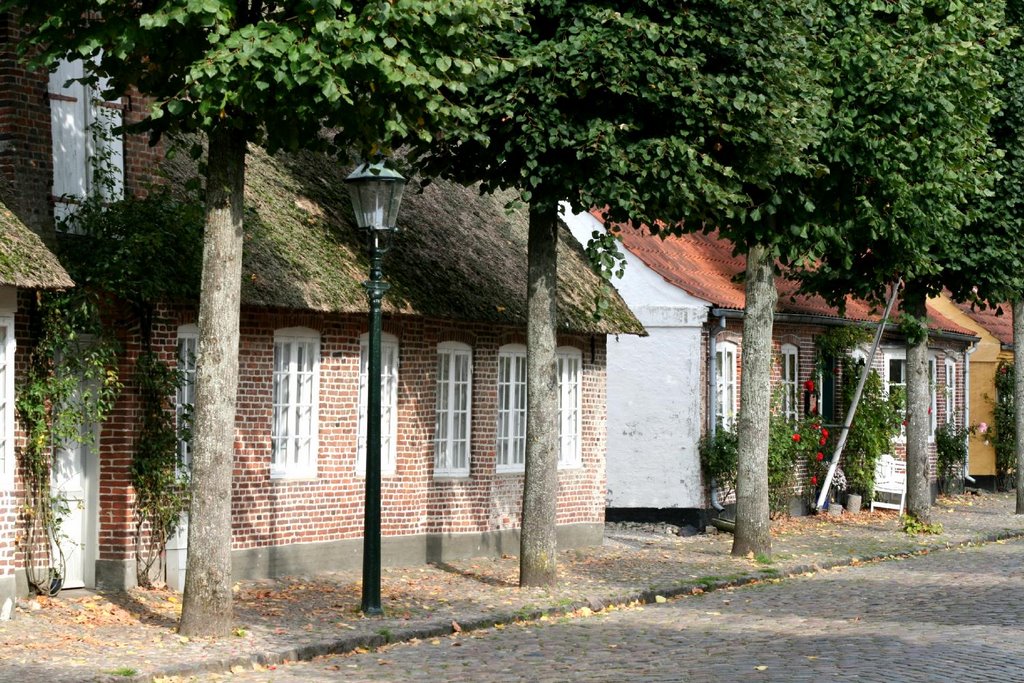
x: 70, y: 385
x: 138, y: 252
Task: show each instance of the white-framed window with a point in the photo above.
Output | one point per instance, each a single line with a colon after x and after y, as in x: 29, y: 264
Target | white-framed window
x: 388, y: 402
x: 789, y: 357
x: 725, y: 384
x: 896, y: 379
x: 185, y: 400
x: 950, y: 389
x: 296, y: 389
x: 453, y: 409
x: 570, y: 372
x: 88, y: 150
x: 511, y: 445
x: 933, y: 397
x: 7, y: 345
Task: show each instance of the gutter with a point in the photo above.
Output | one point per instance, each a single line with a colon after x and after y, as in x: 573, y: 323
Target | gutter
x: 967, y: 408
x: 713, y: 398
x: 832, y: 321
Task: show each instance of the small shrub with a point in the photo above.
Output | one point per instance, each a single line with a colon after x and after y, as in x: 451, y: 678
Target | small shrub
x: 719, y: 455
x: 951, y: 456
x: 1004, y: 433
x: 913, y: 526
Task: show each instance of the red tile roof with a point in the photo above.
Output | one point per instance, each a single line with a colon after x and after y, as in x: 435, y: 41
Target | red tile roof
x: 999, y: 326
x: 704, y: 266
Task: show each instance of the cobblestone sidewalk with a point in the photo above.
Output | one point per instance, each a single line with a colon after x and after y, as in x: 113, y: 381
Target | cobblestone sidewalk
x: 131, y: 636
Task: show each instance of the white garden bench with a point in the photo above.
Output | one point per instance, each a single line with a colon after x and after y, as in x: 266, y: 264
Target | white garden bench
x: 891, y: 480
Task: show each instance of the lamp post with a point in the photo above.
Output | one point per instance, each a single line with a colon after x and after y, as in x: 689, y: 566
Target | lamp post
x: 376, y: 192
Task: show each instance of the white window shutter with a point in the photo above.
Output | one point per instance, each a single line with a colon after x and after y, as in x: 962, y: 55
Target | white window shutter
x: 69, y: 126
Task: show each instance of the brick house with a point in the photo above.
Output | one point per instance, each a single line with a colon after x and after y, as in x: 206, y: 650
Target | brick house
x: 686, y: 291
x: 453, y: 358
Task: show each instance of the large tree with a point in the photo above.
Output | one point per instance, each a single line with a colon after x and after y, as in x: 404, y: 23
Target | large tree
x: 274, y: 72
x: 909, y: 158
x: 995, y: 244
x: 642, y: 108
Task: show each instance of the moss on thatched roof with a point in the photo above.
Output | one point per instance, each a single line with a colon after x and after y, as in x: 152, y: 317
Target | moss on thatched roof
x: 24, y: 259
x: 459, y: 255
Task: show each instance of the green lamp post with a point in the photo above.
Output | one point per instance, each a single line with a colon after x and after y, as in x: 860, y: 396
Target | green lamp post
x: 376, y: 192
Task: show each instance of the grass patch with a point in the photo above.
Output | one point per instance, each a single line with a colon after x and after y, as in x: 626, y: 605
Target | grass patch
x: 125, y: 671
x: 708, y: 581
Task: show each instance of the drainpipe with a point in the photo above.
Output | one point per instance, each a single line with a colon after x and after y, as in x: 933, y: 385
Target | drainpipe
x: 967, y: 408
x: 713, y: 399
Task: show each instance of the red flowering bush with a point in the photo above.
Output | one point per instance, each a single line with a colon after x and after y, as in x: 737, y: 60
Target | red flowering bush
x: 818, y: 452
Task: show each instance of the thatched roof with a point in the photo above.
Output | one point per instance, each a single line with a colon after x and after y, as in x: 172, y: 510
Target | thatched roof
x: 24, y: 259
x: 459, y: 255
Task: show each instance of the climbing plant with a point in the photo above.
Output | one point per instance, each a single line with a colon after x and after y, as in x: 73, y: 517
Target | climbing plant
x: 140, y: 251
x: 1004, y: 434
x: 877, y: 422
x: 69, y: 386
x: 158, y: 476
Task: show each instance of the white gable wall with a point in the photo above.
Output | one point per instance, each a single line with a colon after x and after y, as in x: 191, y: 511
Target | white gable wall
x: 654, y: 390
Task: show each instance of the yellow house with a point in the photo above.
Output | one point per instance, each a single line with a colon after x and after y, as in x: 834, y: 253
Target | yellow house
x: 996, y: 345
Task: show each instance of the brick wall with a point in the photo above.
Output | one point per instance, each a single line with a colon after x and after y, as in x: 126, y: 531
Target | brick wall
x: 273, y: 512
x: 803, y: 336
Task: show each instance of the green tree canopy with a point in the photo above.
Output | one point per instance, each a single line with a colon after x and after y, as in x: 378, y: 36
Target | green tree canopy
x: 675, y: 115
x: 908, y: 147
x: 277, y: 73
x: 376, y: 72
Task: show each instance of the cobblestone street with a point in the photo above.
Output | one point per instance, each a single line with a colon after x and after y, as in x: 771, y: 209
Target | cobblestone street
x: 951, y: 615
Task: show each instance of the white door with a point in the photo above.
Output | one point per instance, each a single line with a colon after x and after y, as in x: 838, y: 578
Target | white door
x: 177, y: 555
x: 75, y: 488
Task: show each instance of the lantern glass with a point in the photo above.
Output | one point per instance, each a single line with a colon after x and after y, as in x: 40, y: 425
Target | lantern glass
x: 376, y: 192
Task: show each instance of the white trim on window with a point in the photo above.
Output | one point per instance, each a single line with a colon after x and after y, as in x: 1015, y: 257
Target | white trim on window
x: 895, y: 376
x: 388, y: 403
x: 296, y: 397
x: 725, y: 384
x: 511, y: 438
x: 453, y: 414
x: 789, y: 357
x: 570, y: 407
x: 950, y: 389
x: 7, y: 347
x: 933, y: 396
x: 185, y: 397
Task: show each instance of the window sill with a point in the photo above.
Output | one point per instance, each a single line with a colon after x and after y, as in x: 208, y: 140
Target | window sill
x: 508, y: 471
x: 451, y: 478
x: 293, y: 478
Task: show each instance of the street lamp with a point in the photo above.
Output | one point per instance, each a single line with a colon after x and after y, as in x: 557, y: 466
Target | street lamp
x: 376, y: 192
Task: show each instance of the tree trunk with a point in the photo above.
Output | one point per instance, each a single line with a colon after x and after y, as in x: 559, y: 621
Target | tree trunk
x: 1018, y: 397
x: 537, y: 561
x: 919, y: 490
x: 752, y: 515
x: 206, y: 607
